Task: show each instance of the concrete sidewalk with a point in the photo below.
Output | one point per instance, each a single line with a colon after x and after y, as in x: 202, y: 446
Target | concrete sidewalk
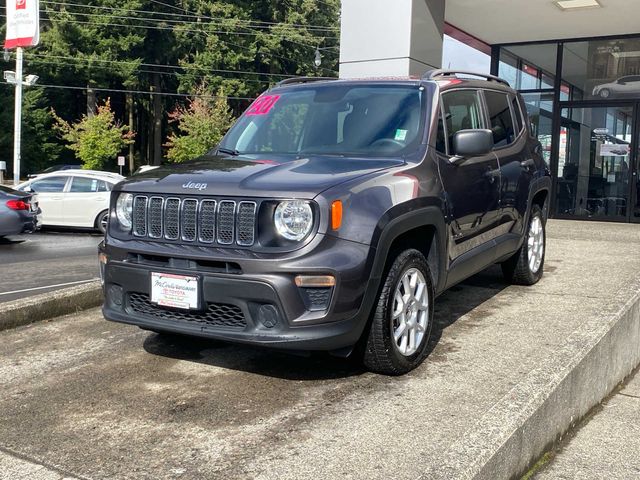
x: 605, y: 446
x: 509, y: 367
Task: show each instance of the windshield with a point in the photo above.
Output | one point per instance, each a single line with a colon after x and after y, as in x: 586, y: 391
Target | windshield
x: 373, y: 120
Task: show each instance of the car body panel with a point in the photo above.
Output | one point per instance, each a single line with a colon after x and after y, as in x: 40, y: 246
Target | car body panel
x: 15, y: 222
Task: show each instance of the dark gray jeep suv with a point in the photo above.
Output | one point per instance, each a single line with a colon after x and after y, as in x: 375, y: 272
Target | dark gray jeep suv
x: 331, y: 216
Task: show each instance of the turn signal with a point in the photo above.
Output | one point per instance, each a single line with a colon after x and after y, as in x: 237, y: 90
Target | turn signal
x: 336, y: 214
x: 315, y: 281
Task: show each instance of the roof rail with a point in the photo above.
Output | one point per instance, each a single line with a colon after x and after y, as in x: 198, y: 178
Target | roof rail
x: 433, y: 74
x: 291, y: 81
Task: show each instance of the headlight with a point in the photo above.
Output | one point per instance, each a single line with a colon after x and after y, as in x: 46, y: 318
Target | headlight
x: 293, y: 219
x: 124, y: 210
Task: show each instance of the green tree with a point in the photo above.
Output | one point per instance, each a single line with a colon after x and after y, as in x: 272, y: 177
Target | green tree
x: 97, y: 138
x: 40, y: 146
x: 201, y: 125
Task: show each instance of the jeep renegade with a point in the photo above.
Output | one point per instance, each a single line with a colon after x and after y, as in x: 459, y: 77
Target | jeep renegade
x: 332, y: 215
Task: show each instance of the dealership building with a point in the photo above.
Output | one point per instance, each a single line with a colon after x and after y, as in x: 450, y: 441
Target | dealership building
x: 576, y: 63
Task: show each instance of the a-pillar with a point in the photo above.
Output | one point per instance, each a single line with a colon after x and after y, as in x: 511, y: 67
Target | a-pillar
x: 381, y: 38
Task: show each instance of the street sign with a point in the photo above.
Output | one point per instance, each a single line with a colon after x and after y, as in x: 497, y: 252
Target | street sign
x: 23, y: 23
x: 121, y: 161
x: 3, y: 165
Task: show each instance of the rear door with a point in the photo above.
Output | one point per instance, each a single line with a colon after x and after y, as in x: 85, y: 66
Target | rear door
x: 516, y: 163
x: 471, y: 186
x: 85, y: 199
x: 50, y: 192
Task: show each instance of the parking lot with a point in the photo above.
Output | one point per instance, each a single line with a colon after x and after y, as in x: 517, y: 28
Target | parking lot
x: 85, y: 398
x: 45, y: 261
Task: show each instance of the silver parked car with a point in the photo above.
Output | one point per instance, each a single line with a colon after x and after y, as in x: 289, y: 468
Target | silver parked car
x: 19, y: 212
x: 628, y: 86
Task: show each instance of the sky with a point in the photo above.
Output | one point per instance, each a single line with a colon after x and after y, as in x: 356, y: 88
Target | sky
x: 460, y: 56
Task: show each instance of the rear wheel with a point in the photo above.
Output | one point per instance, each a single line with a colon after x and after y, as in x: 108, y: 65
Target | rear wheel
x: 401, y: 324
x: 102, y: 221
x: 527, y: 264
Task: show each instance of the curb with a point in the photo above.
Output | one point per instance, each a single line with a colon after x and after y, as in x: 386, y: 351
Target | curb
x: 537, y: 412
x: 49, y: 305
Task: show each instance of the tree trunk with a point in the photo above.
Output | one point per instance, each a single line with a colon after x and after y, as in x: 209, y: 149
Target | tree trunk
x: 91, y: 101
x: 131, y: 146
x: 157, y: 121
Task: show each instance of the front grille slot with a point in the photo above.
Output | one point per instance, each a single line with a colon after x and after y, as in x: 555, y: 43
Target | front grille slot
x: 172, y: 218
x: 226, y: 222
x: 189, y: 219
x: 215, y: 314
x: 206, y: 221
x: 156, y: 205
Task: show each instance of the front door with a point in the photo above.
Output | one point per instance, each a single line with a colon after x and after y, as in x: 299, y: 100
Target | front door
x: 597, y: 163
x: 472, y: 186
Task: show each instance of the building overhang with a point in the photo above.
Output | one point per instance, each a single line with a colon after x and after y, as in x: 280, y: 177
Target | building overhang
x: 513, y: 21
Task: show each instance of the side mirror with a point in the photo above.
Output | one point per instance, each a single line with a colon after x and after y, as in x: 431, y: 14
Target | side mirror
x: 472, y: 143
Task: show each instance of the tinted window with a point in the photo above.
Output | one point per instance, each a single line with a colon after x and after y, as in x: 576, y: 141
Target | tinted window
x: 518, y: 114
x: 104, y: 186
x: 462, y: 112
x: 352, y: 120
x: 85, y: 185
x: 500, y: 120
x: 50, y: 184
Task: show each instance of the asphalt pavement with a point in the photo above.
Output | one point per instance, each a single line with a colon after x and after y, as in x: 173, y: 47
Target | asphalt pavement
x: 42, y: 262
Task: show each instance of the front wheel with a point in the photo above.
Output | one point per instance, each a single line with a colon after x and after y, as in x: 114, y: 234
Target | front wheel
x: 401, y: 324
x: 527, y: 264
x: 605, y: 93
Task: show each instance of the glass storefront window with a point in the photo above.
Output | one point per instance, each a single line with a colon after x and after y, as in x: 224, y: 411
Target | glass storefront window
x: 603, y: 69
x: 540, y: 110
x: 529, y: 67
x: 593, y: 167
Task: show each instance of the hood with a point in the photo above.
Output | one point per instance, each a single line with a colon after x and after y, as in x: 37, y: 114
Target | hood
x: 254, y: 176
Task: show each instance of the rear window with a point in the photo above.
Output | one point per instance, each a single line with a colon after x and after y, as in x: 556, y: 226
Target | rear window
x: 500, y: 119
x: 374, y: 120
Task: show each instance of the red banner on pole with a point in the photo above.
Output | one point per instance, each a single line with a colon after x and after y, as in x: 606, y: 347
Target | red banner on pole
x: 23, y: 23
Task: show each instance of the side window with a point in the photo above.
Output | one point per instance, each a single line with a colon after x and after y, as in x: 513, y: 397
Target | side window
x: 84, y: 185
x: 462, y: 111
x: 441, y: 139
x: 518, y: 114
x: 49, y: 184
x: 104, y: 186
x: 500, y: 120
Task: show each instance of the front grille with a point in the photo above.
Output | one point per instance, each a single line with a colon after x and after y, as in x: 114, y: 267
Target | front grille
x: 215, y: 315
x: 208, y: 221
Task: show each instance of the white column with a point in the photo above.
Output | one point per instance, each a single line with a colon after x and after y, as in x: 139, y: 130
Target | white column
x: 390, y: 37
x: 17, y: 118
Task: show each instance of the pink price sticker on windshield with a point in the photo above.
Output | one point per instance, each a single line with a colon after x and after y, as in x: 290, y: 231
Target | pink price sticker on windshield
x: 263, y: 105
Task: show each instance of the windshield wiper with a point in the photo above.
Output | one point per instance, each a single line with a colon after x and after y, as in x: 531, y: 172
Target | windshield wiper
x: 229, y: 151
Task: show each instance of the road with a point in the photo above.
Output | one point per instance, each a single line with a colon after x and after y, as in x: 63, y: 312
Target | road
x: 46, y: 261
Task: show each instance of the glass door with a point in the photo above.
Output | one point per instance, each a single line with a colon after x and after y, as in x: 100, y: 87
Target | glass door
x: 596, y: 163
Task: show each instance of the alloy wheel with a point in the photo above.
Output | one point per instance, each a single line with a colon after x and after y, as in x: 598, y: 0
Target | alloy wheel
x: 410, y: 313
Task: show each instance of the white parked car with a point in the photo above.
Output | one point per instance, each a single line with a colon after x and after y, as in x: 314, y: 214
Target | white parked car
x: 628, y: 86
x: 74, y: 198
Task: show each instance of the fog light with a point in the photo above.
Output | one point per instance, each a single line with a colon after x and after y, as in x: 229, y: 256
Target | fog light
x: 268, y: 316
x: 115, y: 295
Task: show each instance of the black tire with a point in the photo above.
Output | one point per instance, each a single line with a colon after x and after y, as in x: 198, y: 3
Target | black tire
x: 381, y: 352
x: 517, y: 269
x: 605, y: 93
x: 102, y: 220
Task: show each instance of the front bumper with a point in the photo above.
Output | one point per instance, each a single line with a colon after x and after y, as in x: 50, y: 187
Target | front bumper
x: 255, y: 302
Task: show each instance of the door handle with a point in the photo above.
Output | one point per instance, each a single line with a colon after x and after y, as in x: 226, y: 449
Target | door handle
x: 527, y: 164
x: 492, y: 174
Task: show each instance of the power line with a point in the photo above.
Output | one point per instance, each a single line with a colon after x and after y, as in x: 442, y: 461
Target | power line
x: 138, y: 92
x: 193, y: 31
x: 156, y: 65
x: 252, y: 23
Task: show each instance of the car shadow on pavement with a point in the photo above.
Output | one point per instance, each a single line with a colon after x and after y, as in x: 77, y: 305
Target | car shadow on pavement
x: 457, y: 302
x: 8, y: 241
